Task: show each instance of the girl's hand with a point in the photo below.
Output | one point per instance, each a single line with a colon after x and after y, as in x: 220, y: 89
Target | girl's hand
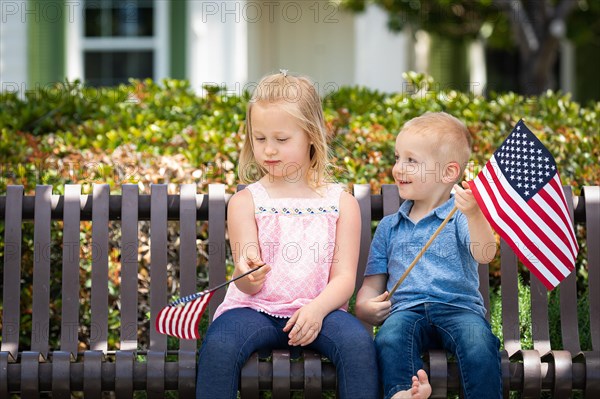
x: 252, y: 283
x: 375, y: 310
x: 304, y: 326
x: 465, y: 200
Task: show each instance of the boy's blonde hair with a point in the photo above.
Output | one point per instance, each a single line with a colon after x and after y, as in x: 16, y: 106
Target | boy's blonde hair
x: 452, y: 138
x: 298, y: 96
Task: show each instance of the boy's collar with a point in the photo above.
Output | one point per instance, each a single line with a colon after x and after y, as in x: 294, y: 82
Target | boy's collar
x: 441, y: 211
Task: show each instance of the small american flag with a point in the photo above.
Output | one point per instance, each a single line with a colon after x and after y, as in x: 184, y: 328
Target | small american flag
x: 520, y: 193
x: 181, y: 318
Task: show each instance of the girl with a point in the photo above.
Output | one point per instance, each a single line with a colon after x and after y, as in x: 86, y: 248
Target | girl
x: 307, y: 232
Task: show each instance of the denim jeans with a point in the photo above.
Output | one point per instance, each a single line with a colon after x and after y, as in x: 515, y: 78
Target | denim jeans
x: 406, y: 334
x: 237, y: 333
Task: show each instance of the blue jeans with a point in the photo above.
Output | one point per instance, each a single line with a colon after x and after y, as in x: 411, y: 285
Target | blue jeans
x: 406, y: 334
x: 237, y: 333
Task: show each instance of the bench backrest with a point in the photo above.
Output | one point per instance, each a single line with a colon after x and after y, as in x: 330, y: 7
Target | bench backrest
x: 189, y: 208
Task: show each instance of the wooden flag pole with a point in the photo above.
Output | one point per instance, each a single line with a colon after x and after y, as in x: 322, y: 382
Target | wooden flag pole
x: 420, y: 254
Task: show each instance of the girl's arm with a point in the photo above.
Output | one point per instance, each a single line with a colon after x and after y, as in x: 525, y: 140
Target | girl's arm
x: 243, y: 238
x: 483, y: 242
x: 306, y: 323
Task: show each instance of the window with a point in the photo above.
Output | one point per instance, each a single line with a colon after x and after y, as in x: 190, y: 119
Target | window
x: 114, y: 40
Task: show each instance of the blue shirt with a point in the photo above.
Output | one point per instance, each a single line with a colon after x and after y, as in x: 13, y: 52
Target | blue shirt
x: 447, y: 272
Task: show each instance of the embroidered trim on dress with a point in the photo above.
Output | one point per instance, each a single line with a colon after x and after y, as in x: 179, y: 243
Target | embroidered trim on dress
x: 297, y: 211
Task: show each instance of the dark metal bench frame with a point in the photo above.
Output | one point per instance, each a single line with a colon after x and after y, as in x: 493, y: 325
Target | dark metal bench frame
x: 40, y: 368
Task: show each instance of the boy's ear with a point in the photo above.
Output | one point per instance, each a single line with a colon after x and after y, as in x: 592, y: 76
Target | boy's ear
x: 451, y: 173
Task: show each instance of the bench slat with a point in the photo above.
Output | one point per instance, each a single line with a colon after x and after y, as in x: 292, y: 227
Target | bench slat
x: 362, y: 193
x: 539, y: 315
x: 100, y: 255
x: 510, y: 299
x: 158, y: 262
x: 61, y: 371
x: 4, y: 356
x: 391, y: 199
x: 592, y: 211
x: 41, y: 270
x: 568, y: 299
x: 216, y: 243
x: 30, y: 365
x: 483, y: 271
x: 69, y: 329
x: 129, y: 268
x: 312, y: 375
x: 188, y: 259
x: 124, y: 361
x: 156, y: 374
x: 92, y: 372
x: 188, y: 252
x: 281, y: 374
x: 11, y: 295
x: 248, y: 381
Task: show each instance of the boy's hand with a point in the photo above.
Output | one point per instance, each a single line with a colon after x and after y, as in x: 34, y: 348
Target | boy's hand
x: 374, y: 310
x: 465, y: 200
x: 305, y: 325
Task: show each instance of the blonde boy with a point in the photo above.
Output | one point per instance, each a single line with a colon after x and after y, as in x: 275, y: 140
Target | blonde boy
x: 439, y: 304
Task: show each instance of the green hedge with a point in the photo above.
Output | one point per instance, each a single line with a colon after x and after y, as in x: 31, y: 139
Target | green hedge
x: 71, y: 133
x: 148, y: 132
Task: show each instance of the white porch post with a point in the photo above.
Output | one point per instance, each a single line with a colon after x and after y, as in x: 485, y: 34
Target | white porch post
x: 218, y: 44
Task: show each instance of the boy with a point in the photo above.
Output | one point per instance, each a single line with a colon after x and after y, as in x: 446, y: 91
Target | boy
x: 439, y: 304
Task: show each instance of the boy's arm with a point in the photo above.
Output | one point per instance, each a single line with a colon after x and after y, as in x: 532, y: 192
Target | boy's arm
x: 243, y: 238
x: 483, y: 242
x: 371, y: 305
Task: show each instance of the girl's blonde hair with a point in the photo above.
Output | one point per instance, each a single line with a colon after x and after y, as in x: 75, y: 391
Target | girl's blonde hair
x: 298, y: 96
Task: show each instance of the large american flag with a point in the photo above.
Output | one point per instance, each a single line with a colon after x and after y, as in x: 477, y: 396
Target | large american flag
x: 520, y: 193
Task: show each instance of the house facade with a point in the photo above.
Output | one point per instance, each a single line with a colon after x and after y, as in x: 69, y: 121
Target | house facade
x: 233, y: 43
x: 227, y: 43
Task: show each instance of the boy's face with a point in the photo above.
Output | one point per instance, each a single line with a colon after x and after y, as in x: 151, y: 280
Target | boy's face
x: 419, y: 168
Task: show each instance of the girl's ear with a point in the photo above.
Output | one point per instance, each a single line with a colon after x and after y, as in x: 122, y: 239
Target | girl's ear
x: 451, y: 173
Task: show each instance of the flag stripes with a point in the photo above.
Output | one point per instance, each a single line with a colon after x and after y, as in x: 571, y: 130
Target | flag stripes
x: 182, y: 321
x: 538, y: 229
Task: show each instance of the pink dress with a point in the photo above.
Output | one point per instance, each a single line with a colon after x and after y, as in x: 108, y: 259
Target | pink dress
x: 297, y: 239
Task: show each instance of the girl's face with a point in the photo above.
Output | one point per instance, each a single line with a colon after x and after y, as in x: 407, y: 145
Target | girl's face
x: 418, y: 172
x: 279, y: 143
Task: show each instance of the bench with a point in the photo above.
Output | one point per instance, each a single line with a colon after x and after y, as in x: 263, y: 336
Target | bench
x: 90, y: 365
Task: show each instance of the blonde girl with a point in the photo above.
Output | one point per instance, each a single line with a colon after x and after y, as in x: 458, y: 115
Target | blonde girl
x: 307, y: 232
